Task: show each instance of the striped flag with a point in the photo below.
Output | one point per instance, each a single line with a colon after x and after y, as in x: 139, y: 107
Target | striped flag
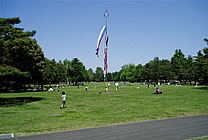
x: 100, y: 39
x: 105, y: 57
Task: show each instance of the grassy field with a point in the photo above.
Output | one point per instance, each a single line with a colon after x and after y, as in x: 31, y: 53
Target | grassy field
x: 31, y: 113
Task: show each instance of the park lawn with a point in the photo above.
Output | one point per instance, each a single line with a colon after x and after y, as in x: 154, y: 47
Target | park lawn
x: 39, y: 112
x: 200, y: 138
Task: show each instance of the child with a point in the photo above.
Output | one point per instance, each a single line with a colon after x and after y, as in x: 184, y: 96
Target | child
x: 63, y: 100
x: 158, y: 91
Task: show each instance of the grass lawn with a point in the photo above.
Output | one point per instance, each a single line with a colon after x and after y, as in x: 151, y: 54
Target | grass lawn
x: 31, y: 113
x: 200, y: 138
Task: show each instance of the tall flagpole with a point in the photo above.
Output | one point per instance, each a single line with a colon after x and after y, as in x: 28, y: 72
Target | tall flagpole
x: 106, y: 15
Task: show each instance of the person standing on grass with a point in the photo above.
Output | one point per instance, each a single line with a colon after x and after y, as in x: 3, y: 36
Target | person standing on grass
x: 57, y: 88
x: 158, y: 85
x: 116, y: 84
x: 63, y: 100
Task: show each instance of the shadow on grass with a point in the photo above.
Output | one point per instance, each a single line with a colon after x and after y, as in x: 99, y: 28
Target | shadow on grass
x: 202, y: 88
x: 21, y: 90
x: 18, y: 101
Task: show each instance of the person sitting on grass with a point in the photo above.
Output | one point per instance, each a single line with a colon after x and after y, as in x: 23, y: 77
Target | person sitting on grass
x: 86, y: 88
x: 158, y: 91
x: 63, y: 100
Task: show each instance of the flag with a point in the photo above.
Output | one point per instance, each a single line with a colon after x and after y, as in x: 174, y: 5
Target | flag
x: 100, y: 39
x: 105, y: 58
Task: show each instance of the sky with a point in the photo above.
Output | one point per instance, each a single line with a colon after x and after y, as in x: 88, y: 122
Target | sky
x: 138, y: 30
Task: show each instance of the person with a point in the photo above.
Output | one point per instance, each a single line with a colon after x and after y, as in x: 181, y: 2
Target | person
x: 108, y: 84
x: 106, y: 89
x: 50, y: 89
x: 116, y: 84
x: 158, y: 91
x: 158, y: 85
x: 57, y: 88
x: 63, y: 100
x: 86, y: 88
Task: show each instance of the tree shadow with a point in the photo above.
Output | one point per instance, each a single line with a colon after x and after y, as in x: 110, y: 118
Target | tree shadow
x: 201, y: 88
x: 21, y: 90
x: 18, y: 101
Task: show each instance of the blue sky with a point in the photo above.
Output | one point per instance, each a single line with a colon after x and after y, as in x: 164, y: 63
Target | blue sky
x: 138, y: 30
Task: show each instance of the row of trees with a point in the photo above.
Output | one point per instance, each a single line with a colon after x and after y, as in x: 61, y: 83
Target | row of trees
x: 22, y: 62
x: 184, y: 69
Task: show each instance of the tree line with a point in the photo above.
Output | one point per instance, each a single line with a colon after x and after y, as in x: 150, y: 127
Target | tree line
x: 191, y: 69
x: 22, y: 62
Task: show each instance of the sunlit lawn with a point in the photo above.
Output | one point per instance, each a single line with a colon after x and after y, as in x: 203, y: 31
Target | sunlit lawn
x: 40, y: 112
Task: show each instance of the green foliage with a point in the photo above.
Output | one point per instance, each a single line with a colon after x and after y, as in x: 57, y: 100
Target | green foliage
x: 99, y: 74
x: 49, y: 74
x: 61, y: 72
x: 202, y: 65
x: 178, y: 62
x: 20, y: 51
x: 128, y: 72
x: 10, y: 74
x: 115, y: 76
x: 91, y: 75
x: 77, y: 72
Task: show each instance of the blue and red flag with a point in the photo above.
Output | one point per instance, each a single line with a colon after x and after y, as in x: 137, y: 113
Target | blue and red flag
x: 100, y: 39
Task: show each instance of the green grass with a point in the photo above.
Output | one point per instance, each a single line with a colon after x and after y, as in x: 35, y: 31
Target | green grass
x: 30, y: 112
x: 200, y: 138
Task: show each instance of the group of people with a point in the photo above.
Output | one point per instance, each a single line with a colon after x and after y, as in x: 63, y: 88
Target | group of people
x: 158, y: 91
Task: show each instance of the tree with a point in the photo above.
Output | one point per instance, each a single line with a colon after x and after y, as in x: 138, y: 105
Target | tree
x: 49, y: 75
x: 131, y: 73
x: 91, y: 75
x: 166, y: 71
x: 99, y: 74
x: 206, y: 40
x: 138, y: 73
x: 77, y: 72
x: 190, y: 73
x: 201, y: 65
x: 123, y: 72
x: 116, y: 76
x: 8, y: 74
x: 154, y: 69
x: 61, y: 72
x: 109, y: 78
x: 67, y: 65
x: 146, y: 72
x: 178, y: 62
x: 20, y: 51
x: 205, y: 65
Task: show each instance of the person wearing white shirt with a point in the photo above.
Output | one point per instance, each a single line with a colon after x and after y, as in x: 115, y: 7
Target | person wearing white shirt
x: 116, y: 84
x: 63, y: 100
